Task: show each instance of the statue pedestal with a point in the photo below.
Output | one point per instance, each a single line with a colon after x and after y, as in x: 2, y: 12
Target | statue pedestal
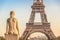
x: 11, y: 37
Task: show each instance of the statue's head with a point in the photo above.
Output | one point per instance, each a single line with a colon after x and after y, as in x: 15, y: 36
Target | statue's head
x: 12, y: 14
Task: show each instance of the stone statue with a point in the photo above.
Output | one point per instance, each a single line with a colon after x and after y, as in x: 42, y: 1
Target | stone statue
x: 12, y: 24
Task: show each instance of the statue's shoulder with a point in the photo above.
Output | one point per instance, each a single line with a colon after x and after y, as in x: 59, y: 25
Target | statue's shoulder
x: 8, y: 19
x: 15, y: 19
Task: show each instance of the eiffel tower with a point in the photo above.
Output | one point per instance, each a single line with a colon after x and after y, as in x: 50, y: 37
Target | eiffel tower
x: 43, y: 26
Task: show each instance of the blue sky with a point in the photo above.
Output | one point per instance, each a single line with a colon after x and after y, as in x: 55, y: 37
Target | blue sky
x: 22, y: 9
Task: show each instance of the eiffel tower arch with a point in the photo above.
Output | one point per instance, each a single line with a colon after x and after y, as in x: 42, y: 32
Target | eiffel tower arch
x: 43, y: 26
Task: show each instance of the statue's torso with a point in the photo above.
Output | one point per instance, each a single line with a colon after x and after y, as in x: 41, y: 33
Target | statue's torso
x: 12, y: 25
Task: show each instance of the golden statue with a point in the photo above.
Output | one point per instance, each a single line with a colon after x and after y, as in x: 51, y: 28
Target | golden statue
x: 12, y: 24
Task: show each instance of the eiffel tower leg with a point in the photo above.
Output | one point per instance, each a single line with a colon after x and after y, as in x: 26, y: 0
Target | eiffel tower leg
x: 31, y: 20
x: 50, y: 34
x: 43, y: 18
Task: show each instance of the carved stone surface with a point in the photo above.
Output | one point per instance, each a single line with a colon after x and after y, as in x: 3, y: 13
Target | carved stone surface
x: 11, y: 37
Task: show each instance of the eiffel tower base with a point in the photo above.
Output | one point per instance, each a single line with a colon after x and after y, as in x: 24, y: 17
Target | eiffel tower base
x: 42, y: 28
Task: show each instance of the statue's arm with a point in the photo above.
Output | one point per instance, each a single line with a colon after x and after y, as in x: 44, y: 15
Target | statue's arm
x: 7, y: 27
x: 17, y: 26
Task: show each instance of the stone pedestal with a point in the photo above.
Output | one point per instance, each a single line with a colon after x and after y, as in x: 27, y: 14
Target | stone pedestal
x: 11, y: 37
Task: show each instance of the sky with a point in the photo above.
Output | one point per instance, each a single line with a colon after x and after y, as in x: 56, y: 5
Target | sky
x: 22, y: 10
